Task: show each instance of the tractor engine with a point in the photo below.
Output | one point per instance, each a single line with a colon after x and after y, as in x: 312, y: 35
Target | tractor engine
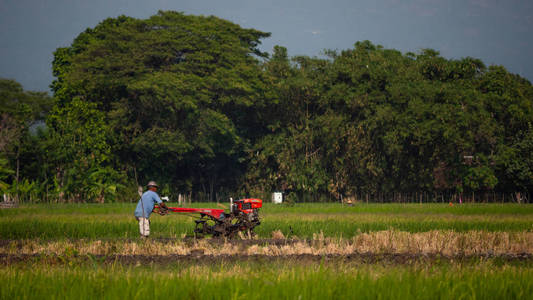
x: 247, y: 209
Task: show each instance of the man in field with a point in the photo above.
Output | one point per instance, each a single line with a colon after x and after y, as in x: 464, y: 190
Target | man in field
x: 145, y: 207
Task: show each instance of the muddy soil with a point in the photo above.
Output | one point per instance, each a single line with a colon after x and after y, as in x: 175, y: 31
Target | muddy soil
x: 198, y: 258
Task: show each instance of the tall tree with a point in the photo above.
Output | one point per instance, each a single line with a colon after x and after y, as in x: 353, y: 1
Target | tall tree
x: 19, y: 111
x: 175, y: 90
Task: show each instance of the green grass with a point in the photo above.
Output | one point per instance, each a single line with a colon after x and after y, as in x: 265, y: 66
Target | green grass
x: 403, y: 208
x: 348, y: 228
x: 75, y: 277
x: 268, y: 281
x: 269, y: 208
x: 93, y: 221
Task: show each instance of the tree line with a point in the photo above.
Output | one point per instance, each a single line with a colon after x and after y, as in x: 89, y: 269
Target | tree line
x: 193, y: 103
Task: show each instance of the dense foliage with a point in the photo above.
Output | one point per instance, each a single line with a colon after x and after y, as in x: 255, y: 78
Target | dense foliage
x: 193, y: 103
x: 373, y: 120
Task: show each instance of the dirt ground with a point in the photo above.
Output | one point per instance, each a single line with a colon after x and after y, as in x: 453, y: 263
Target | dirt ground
x: 198, y: 258
x: 168, y: 251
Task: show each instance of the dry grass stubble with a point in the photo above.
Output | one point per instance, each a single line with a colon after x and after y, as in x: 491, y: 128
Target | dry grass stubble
x: 448, y: 243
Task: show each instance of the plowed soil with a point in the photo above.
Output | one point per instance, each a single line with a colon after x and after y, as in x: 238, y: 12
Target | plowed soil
x: 201, y: 259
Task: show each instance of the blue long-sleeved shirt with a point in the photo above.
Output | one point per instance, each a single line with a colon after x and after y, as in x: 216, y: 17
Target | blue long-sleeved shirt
x: 147, y: 201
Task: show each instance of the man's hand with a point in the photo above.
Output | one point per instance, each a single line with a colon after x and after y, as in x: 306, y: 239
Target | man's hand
x: 163, y: 209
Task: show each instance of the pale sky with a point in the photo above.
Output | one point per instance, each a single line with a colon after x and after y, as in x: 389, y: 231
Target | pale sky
x: 499, y: 32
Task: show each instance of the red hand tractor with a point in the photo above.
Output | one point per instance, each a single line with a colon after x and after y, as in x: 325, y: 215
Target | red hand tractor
x: 242, y: 216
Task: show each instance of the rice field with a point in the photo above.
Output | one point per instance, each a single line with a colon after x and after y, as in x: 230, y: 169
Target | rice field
x: 96, y: 221
x: 269, y: 281
x: 305, y: 251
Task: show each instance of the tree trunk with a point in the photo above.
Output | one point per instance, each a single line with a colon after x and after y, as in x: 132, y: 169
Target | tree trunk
x: 59, y: 177
x: 17, y: 175
x: 135, y: 174
x: 212, y: 181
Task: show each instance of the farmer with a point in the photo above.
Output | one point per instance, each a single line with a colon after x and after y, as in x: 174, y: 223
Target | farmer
x: 145, y: 207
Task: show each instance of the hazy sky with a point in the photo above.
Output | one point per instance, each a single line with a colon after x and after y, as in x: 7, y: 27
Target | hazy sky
x: 497, y: 31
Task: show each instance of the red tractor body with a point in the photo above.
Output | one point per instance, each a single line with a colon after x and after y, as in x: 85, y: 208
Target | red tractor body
x: 212, y: 212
